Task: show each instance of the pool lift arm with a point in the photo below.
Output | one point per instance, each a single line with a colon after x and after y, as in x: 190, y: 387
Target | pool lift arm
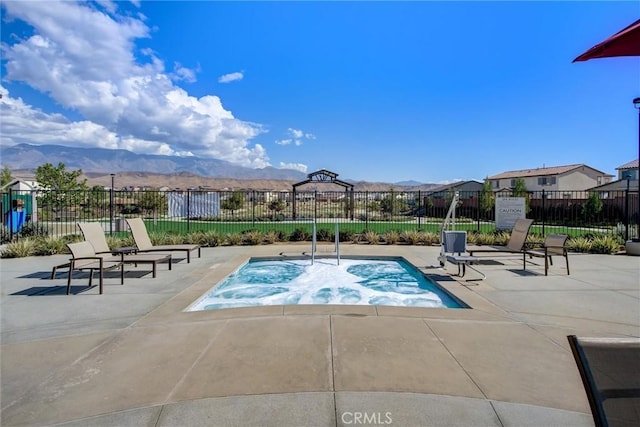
x: 449, y: 223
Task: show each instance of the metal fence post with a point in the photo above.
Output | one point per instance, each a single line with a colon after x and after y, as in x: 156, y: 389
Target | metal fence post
x: 544, y: 214
x: 111, y: 202
x: 188, y: 210
x: 419, y: 208
x: 626, y: 212
x: 10, y: 216
x: 478, y: 206
x: 253, y: 208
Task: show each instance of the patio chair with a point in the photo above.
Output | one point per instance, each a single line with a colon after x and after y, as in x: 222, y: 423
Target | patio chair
x: 610, y: 372
x: 84, y: 257
x: 515, y: 245
x: 94, y: 234
x: 143, y: 242
x: 454, y: 250
x: 554, y: 244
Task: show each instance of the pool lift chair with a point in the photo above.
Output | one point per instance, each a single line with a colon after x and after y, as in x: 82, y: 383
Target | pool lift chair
x: 453, y: 247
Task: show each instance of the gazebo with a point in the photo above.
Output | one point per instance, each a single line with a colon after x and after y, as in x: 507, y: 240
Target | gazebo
x: 324, y: 176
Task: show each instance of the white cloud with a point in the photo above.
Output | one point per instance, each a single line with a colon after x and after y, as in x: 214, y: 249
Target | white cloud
x: 295, y: 166
x: 84, y: 58
x: 231, y: 77
x: 183, y: 73
x: 296, y: 137
x: 296, y: 133
x: 22, y: 123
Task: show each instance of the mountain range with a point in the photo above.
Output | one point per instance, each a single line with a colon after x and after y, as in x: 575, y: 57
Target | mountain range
x: 134, y: 169
x: 26, y: 156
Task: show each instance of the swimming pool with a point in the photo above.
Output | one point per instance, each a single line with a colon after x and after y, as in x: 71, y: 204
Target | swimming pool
x: 390, y: 281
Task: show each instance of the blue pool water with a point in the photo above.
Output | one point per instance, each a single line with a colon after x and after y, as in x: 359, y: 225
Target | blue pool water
x: 392, y: 282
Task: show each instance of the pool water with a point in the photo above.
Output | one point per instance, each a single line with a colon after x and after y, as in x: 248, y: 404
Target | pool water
x: 390, y: 282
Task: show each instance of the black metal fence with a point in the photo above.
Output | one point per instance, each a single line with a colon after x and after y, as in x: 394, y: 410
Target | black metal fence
x: 56, y: 213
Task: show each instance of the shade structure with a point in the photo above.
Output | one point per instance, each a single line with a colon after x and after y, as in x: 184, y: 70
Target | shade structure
x: 625, y: 42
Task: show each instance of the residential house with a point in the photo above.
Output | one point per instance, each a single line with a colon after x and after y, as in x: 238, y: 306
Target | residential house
x: 443, y: 193
x: 557, y: 181
x: 628, y: 170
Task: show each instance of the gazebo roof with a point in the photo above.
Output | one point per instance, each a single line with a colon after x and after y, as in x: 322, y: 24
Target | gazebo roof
x: 323, y: 176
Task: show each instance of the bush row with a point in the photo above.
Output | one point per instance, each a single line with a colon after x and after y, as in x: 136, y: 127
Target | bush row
x: 46, y: 245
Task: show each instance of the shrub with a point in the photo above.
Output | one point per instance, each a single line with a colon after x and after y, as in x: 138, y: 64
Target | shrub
x: 346, y: 236
x: 324, y: 235
x: 271, y: 237
x: 252, y: 237
x: 391, y: 237
x: 234, y: 239
x: 427, y: 238
x: 211, y: 238
x: 5, y: 236
x: 21, y: 248
x: 34, y: 229
x: 300, y: 235
x: 605, y: 244
x: 371, y: 237
x: 49, y: 246
x: 411, y: 237
x: 579, y: 244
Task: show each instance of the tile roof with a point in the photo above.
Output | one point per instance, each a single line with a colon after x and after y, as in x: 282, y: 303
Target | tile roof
x: 554, y: 170
x: 633, y: 164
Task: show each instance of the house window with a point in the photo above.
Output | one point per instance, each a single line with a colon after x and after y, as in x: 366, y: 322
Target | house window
x: 629, y: 174
x: 513, y: 182
x: 497, y: 183
x: 599, y: 180
x: 547, y: 180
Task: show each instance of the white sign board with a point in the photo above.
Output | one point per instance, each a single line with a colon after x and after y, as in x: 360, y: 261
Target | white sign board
x: 508, y: 210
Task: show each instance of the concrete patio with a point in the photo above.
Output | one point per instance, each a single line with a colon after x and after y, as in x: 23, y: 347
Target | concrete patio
x: 133, y: 357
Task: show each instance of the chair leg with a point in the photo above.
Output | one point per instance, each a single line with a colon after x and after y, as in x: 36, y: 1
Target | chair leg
x: 566, y: 257
x: 101, y: 278
x: 546, y: 264
x: 71, y: 265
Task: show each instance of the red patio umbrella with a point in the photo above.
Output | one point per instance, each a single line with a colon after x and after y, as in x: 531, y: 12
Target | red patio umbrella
x: 625, y: 42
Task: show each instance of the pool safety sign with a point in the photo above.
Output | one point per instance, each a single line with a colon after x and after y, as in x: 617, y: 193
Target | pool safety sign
x: 508, y: 211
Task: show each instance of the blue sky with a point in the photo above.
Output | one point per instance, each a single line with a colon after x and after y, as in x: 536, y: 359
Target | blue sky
x: 375, y: 91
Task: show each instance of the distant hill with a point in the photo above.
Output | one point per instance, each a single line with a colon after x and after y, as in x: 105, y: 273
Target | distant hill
x: 25, y: 156
x: 133, y: 170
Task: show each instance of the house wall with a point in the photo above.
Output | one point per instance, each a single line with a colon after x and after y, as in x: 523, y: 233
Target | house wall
x: 581, y: 179
x: 576, y: 180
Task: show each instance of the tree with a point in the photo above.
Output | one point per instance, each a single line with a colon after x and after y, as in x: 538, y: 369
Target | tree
x: 66, y: 188
x: 152, y: 201
x: 98, y: 200
x: 487, y: 198
x: 5, y: 176
x: 520, y: 190
x: 391, y: 204
x: 234, y: 202
x: 592, y: 207
x: 276, y: 206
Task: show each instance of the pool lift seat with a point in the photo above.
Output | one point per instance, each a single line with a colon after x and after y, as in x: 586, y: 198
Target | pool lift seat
x: 453, y: 247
